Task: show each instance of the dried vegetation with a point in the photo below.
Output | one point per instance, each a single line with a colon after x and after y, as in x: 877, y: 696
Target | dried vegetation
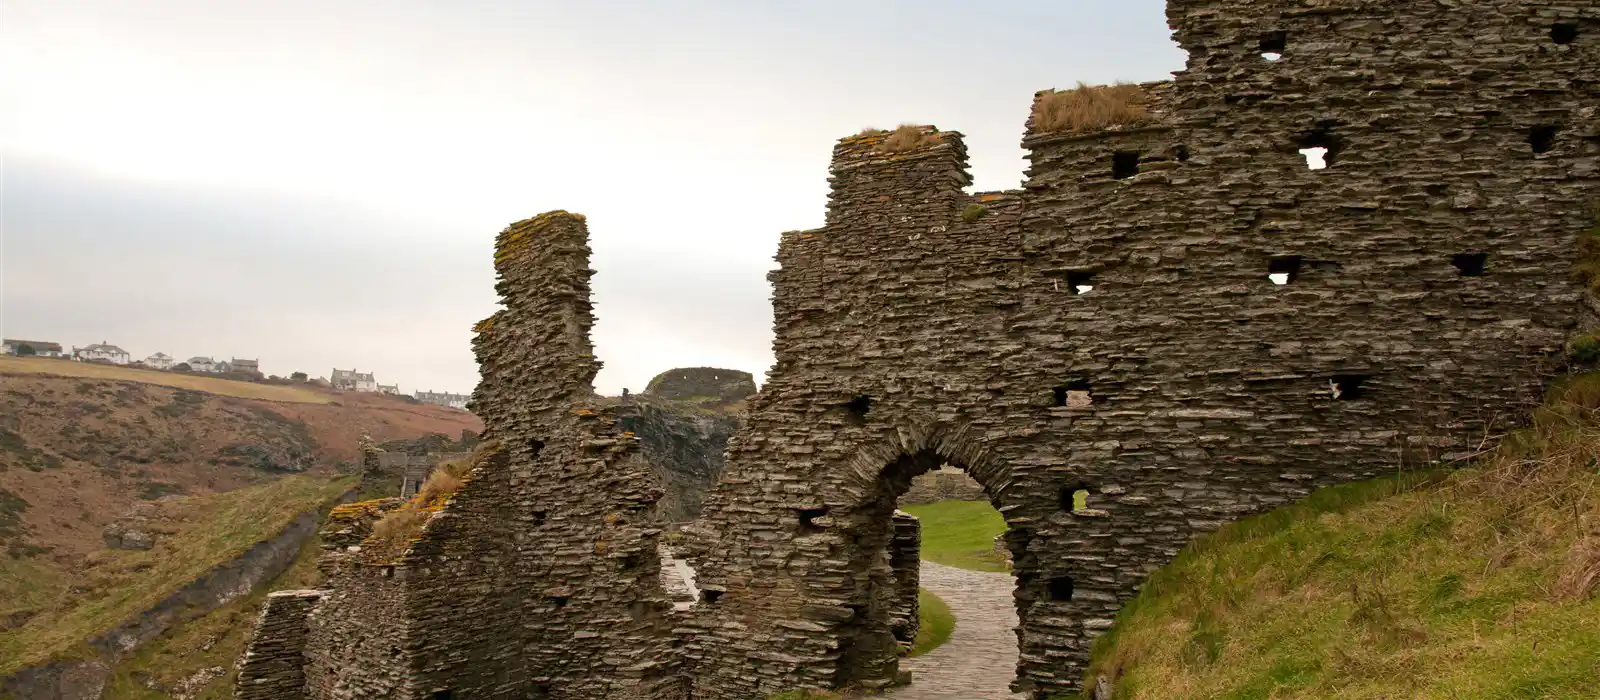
x: 1090, y: 108
x: 393, y: 534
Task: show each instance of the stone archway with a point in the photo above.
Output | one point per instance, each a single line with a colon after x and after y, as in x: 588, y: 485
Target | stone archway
x: 869, y: 642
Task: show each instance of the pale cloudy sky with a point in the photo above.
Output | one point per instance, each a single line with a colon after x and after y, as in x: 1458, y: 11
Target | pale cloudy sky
x: 319, y: 183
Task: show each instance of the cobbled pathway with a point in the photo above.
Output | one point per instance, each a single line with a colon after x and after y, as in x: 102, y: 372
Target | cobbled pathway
x: 980, y: 659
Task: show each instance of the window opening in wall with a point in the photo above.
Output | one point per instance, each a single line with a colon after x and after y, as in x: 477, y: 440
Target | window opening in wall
x: 710, y: 595
x: 1348, y: 387
x: 1469, y: 264
x: 538, y: 517
x: 858, y: 408
x: 1273, y: 45
x: 1060, y: 588
x: 1182, y: 153
x: 1075, y: 499
x: 1543, y: 138
x: 559, y: 601
x: 1320, y: 147
x: 443, y: 695
x: 1563, y: 33
x: 1124, y: 164
x: 1073, y: 395
x: 808, y: 519
x: 1283, y: 269
x: 1079, y: 282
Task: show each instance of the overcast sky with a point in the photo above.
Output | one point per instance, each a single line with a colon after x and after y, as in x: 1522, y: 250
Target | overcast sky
x: 319, y: 184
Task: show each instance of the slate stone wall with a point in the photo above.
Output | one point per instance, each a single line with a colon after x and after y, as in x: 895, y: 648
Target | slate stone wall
x: 944, y: 484
x: 273, y: 666
x: 1430, y: 290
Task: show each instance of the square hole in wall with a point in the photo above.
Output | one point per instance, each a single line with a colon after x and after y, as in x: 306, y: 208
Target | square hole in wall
x: 1320, y: 147
x: 443, y: 695
x: 1073, y: 395
x: 1563, y: 33
x: 1124, y: 164
x: 1283, y: 269
x: 856, y: 409
x: 1470, y: 264
x: 1080, y: 282
x: 1060, y: 588
x: 1543, y: 138
x: 1348, y: 387
x: 1273, y: 45
x: 1075, y: 499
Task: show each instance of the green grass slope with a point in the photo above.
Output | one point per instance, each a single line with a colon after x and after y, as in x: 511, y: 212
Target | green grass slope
x: 195, y: 659
x: 935, y: 623
x: 65, y: 608
x: 1479, y: 583
x: 960, y: 534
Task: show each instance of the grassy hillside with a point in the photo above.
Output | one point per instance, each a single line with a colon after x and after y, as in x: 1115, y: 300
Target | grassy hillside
x: 61, y: 607
x: 192, y: 382
x: 960, y: 534
x: 196, y: 659
x: 1479, y: 583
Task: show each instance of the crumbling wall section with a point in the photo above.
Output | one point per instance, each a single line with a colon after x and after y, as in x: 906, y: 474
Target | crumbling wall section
x: 273, y: 666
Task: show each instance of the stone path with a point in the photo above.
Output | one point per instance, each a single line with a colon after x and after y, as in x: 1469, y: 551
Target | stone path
x: 980, y: 659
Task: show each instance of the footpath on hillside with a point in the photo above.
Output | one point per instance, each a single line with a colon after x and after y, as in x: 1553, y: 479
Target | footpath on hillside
x: 980, y: 659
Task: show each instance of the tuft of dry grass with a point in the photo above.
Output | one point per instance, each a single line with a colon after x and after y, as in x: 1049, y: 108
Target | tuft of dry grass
x: 1090, y: 108
x: 909, y: 137
x: 394, y: 532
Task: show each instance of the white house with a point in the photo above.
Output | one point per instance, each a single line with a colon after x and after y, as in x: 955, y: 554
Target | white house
x: 351, y: 380
x: 102, y: 351
x: 202, y: 364
x: 392, y: 389
x: 13, y: 346
x: 444, y: 399
x: 159, y: 360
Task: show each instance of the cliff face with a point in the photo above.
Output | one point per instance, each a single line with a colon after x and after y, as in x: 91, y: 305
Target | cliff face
x: 684, y: 443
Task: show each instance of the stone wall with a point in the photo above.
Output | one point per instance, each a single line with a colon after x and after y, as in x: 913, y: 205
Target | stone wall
x: 273, y: 667
x: 540, y: 576
x: 943, y: 484
x: 1112, y: 326
x: 905, y: 559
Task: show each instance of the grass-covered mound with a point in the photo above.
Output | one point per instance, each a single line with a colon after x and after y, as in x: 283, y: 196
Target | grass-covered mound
x: 1475, y: 584
x: 960, y: 534
x: 935, y: 623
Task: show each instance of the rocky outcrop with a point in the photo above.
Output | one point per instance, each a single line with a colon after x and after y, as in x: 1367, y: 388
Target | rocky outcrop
x: 684, y: 444
x: 702, y: 384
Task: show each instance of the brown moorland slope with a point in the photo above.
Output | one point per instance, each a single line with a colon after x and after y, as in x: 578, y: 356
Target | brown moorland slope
x: 77, y: 453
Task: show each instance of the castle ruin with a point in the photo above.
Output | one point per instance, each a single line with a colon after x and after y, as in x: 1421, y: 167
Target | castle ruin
x: 1177, y: 318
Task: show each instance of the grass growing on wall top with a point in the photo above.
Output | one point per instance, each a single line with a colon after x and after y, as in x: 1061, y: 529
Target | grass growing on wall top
x: 935, y: 623
x: 960, y: 534
x: 115, y: 585
x: 1480, y: 584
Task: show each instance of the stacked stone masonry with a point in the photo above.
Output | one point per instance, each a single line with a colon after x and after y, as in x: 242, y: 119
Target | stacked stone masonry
x: 1462, y: 133
x: 1111, y: 327
x: 274, y: 666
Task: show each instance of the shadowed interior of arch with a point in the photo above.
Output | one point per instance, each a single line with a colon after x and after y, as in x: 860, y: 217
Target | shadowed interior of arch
x: 873, y: 637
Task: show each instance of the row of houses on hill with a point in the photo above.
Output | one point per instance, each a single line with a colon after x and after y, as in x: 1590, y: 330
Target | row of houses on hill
x: 112, y: 354
x: 443, y: 399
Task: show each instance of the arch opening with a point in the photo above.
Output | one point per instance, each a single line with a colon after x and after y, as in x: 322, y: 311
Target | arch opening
x: 887, y: 562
